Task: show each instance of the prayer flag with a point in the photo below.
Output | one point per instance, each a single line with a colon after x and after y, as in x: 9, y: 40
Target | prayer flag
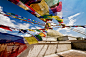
x: 5, y: 27
x: 57, y: 8
x: 38, y: 37
x: 42, y: 34
x: 31, y: 40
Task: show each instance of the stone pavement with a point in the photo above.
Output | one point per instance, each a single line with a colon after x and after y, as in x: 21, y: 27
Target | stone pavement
x: 70, y: 53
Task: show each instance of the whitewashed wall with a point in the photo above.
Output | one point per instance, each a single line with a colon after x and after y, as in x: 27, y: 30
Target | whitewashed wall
x: 41, y: 49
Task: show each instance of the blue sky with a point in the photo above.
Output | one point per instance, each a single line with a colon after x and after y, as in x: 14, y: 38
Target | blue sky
x: 74, y: 13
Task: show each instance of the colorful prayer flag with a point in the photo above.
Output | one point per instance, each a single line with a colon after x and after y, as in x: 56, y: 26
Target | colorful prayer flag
x: 41, y: 8
x: 11, y: 45
x: 42, y: 34
x: 38, y: 37
x: 5, y: 27
x: 31, y: 30
x: 51, y: 2
x: 57, y: 8
x: 31, y: 40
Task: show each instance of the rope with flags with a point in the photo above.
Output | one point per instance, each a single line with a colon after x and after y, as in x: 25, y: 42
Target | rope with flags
x: 22, y: 18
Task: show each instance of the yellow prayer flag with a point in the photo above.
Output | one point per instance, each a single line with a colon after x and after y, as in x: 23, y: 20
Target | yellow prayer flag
x: 31, y: 40
x: 8, y: 13
x: 14, y: 17
x: 20, y: 4
x: 31, y: 30
x: 25, y: 18
x: 42, y: 34
x: 60, y: 20
x: 47, y: 26
x: 21, y: 19
x: 55, y: 17
x: 41, y: 8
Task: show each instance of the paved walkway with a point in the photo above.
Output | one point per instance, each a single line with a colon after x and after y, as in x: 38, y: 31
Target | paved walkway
x: 70, y: 53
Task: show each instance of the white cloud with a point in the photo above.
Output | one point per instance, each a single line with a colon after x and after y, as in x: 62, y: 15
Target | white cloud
x: 59, y: 29
x: 23, y: 26
x: 73, y: 16
x: 68, y: 35
x: 71, y: 21
x: 53, y: 24
x: 25, y: 35
x: 33, y: 28
x: 2, y: 30
x: 0, y: 8
x: 38, y: 27
x: 4, y: 20
x: 13, y: 21
x: 67, y: 30
x: 81, y: 29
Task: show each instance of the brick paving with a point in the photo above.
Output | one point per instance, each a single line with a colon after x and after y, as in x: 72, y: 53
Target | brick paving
x: 71, y: 53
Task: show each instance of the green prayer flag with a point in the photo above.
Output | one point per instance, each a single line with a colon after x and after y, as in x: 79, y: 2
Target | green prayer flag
x: 39, y: 37
x: 38, y: 30
x: 51, y: 2
x: 12, y: 13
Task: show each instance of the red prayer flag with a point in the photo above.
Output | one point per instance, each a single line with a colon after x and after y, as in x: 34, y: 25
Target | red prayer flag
x: 76, y: 26
x: 29, y: 19
x: 6, y: 15
x: 24, y: 20
x: 60, y: 22
x: 30, y: 8
x: 41, y: 29
x: 16, y: 15
x: 14, y: 1
x: 5, y: 27
x: 57, y: 8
